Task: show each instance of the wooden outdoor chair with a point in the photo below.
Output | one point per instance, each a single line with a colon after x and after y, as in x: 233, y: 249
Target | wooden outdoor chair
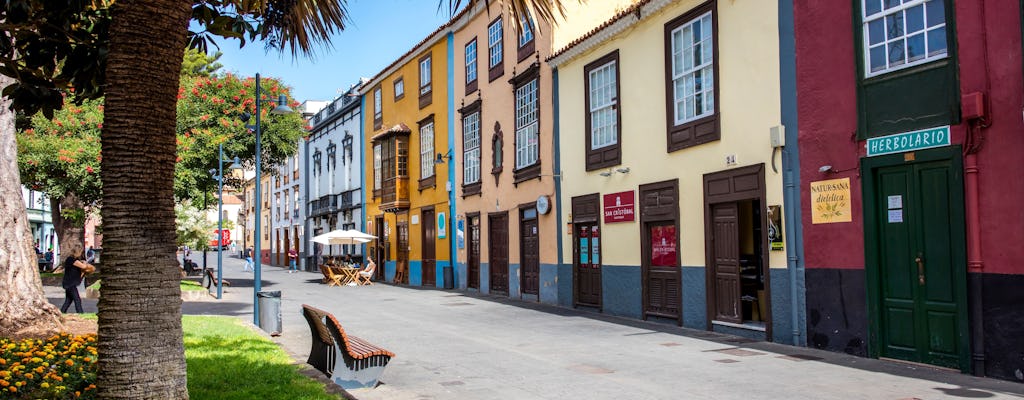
x: 323, y: 270
x: 331, y: 278
x: 363, y: 277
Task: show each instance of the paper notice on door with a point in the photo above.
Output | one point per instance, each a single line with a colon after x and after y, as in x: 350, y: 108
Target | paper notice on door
x: 895, y: 216
x: 895, y: 202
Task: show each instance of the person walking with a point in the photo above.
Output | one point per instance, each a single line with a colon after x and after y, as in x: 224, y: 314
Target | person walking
x: 248, y: 260
x: 293, y: 257
x: 74, y: 267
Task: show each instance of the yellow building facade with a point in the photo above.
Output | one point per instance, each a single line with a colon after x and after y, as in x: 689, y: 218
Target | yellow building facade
x: 504, y: 148
x: 671, y: 189
x: 406, y: 126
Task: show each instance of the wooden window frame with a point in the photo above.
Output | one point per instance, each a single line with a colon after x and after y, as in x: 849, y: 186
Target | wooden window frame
x: 472, y: 86
x: 708, y: 128
x: 473, y: 188
x: 497, y: 70
x: 426, y: 97
x: 591, y: 163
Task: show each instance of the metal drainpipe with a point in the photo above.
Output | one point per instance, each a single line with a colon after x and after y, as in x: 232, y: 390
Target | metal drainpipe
x: 557, y: 171
x: 790, y: 162
x: 974, y: 265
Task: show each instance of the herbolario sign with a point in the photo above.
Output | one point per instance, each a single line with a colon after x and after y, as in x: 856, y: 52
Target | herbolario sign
x: 908, y: 141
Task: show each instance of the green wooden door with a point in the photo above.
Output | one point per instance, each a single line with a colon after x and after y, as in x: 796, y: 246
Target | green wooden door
x: 917, y: 268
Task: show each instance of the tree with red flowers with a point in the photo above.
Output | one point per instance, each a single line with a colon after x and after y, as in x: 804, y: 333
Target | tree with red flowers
x: 61, y: 157
x: 208, y: 115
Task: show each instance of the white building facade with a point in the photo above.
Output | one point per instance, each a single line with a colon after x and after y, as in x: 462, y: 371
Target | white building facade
x: 334, y: 178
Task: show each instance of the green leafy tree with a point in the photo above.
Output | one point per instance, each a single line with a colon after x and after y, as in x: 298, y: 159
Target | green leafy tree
x: 61, y: 157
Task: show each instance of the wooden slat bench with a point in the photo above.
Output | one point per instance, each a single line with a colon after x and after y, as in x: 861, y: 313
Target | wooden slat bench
x: 362, y: 362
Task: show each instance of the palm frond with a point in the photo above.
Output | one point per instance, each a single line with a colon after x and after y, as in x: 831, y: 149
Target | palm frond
x: 300, y: 26
x: 548, y: 11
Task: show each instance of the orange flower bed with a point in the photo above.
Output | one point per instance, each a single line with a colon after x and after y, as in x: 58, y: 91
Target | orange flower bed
x: 61, y: 367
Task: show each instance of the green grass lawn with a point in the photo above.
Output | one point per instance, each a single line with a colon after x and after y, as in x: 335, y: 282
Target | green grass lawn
x: 185, y: 286
x: 228, y: 360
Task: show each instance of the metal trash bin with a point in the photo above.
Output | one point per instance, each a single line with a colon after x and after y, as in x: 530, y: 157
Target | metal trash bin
x: 449, y: 277
x: 270, y: 312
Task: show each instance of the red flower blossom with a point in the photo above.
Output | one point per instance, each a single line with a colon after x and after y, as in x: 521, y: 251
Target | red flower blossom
x: 88, y: 169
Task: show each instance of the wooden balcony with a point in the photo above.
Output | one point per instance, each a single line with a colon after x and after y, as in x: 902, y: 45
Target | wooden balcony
x: 395, y: 194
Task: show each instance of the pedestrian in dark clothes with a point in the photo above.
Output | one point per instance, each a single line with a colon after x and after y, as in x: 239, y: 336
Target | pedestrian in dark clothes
x: 73, y: 273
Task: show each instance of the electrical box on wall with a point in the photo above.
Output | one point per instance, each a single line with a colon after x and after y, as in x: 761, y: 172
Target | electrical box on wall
x: 778, y: 136
x: 972, y: 105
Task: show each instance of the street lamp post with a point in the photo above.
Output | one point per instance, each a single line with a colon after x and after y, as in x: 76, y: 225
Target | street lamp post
x: 282, y: 108
x: 220, y: 215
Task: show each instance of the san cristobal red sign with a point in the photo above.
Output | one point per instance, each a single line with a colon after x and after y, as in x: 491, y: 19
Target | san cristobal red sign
x: 618, y: 207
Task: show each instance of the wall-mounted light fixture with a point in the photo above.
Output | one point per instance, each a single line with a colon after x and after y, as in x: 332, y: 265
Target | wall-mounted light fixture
x: 606, y: 173
x: 623, y: 170
x: 443, y: 158
x: 825, y: 169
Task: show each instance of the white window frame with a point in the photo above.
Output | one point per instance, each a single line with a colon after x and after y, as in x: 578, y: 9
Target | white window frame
x: 377, y: 164
x: 425, y: 76
x: 882, y: 17
x: 471, y: 148
x: 494, y: 45
x: 527, y: 124
x: 604, y: 98
x: 681, y: 74
x: 471, y: 73
x: 427, y: 150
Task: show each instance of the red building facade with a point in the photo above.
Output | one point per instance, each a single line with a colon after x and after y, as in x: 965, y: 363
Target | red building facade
x: 911, y: 126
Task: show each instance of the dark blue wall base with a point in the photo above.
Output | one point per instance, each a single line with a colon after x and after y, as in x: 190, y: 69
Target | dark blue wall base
x: 837, y: 318
x: 565, y: 285
x: 695, y: 306
x: 549, y: 283
x: 513, y: 281
x: 389, y: 270
x: 782, y: 309
x: 621, y: 290
x: 1003, y: 305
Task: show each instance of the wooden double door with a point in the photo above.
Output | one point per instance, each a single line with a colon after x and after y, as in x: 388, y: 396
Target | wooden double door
x: 473, y: 251
x: 529, y: 252
x: 659, y: 238
x: 429, y: 260
x: 916, y: 257
x: 497, y: 240
x: 586, y: 250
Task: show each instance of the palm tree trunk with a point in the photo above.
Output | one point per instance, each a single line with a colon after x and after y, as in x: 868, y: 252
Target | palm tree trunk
x: 24, y: 310
x: 141, y: 353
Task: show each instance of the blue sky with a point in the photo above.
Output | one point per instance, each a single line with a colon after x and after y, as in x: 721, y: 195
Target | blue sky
x: 380, y: 32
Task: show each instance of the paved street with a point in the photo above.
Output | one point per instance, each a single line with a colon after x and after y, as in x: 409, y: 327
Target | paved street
x: 452, y: 345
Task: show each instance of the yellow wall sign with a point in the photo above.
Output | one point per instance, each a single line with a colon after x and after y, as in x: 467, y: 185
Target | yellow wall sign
x: 830, y: 201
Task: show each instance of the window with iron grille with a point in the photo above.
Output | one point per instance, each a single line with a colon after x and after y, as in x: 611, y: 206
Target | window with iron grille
x: 527, y: 127
x: 494, y: 36
x: 471, y: 148
x: 427, y: 150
